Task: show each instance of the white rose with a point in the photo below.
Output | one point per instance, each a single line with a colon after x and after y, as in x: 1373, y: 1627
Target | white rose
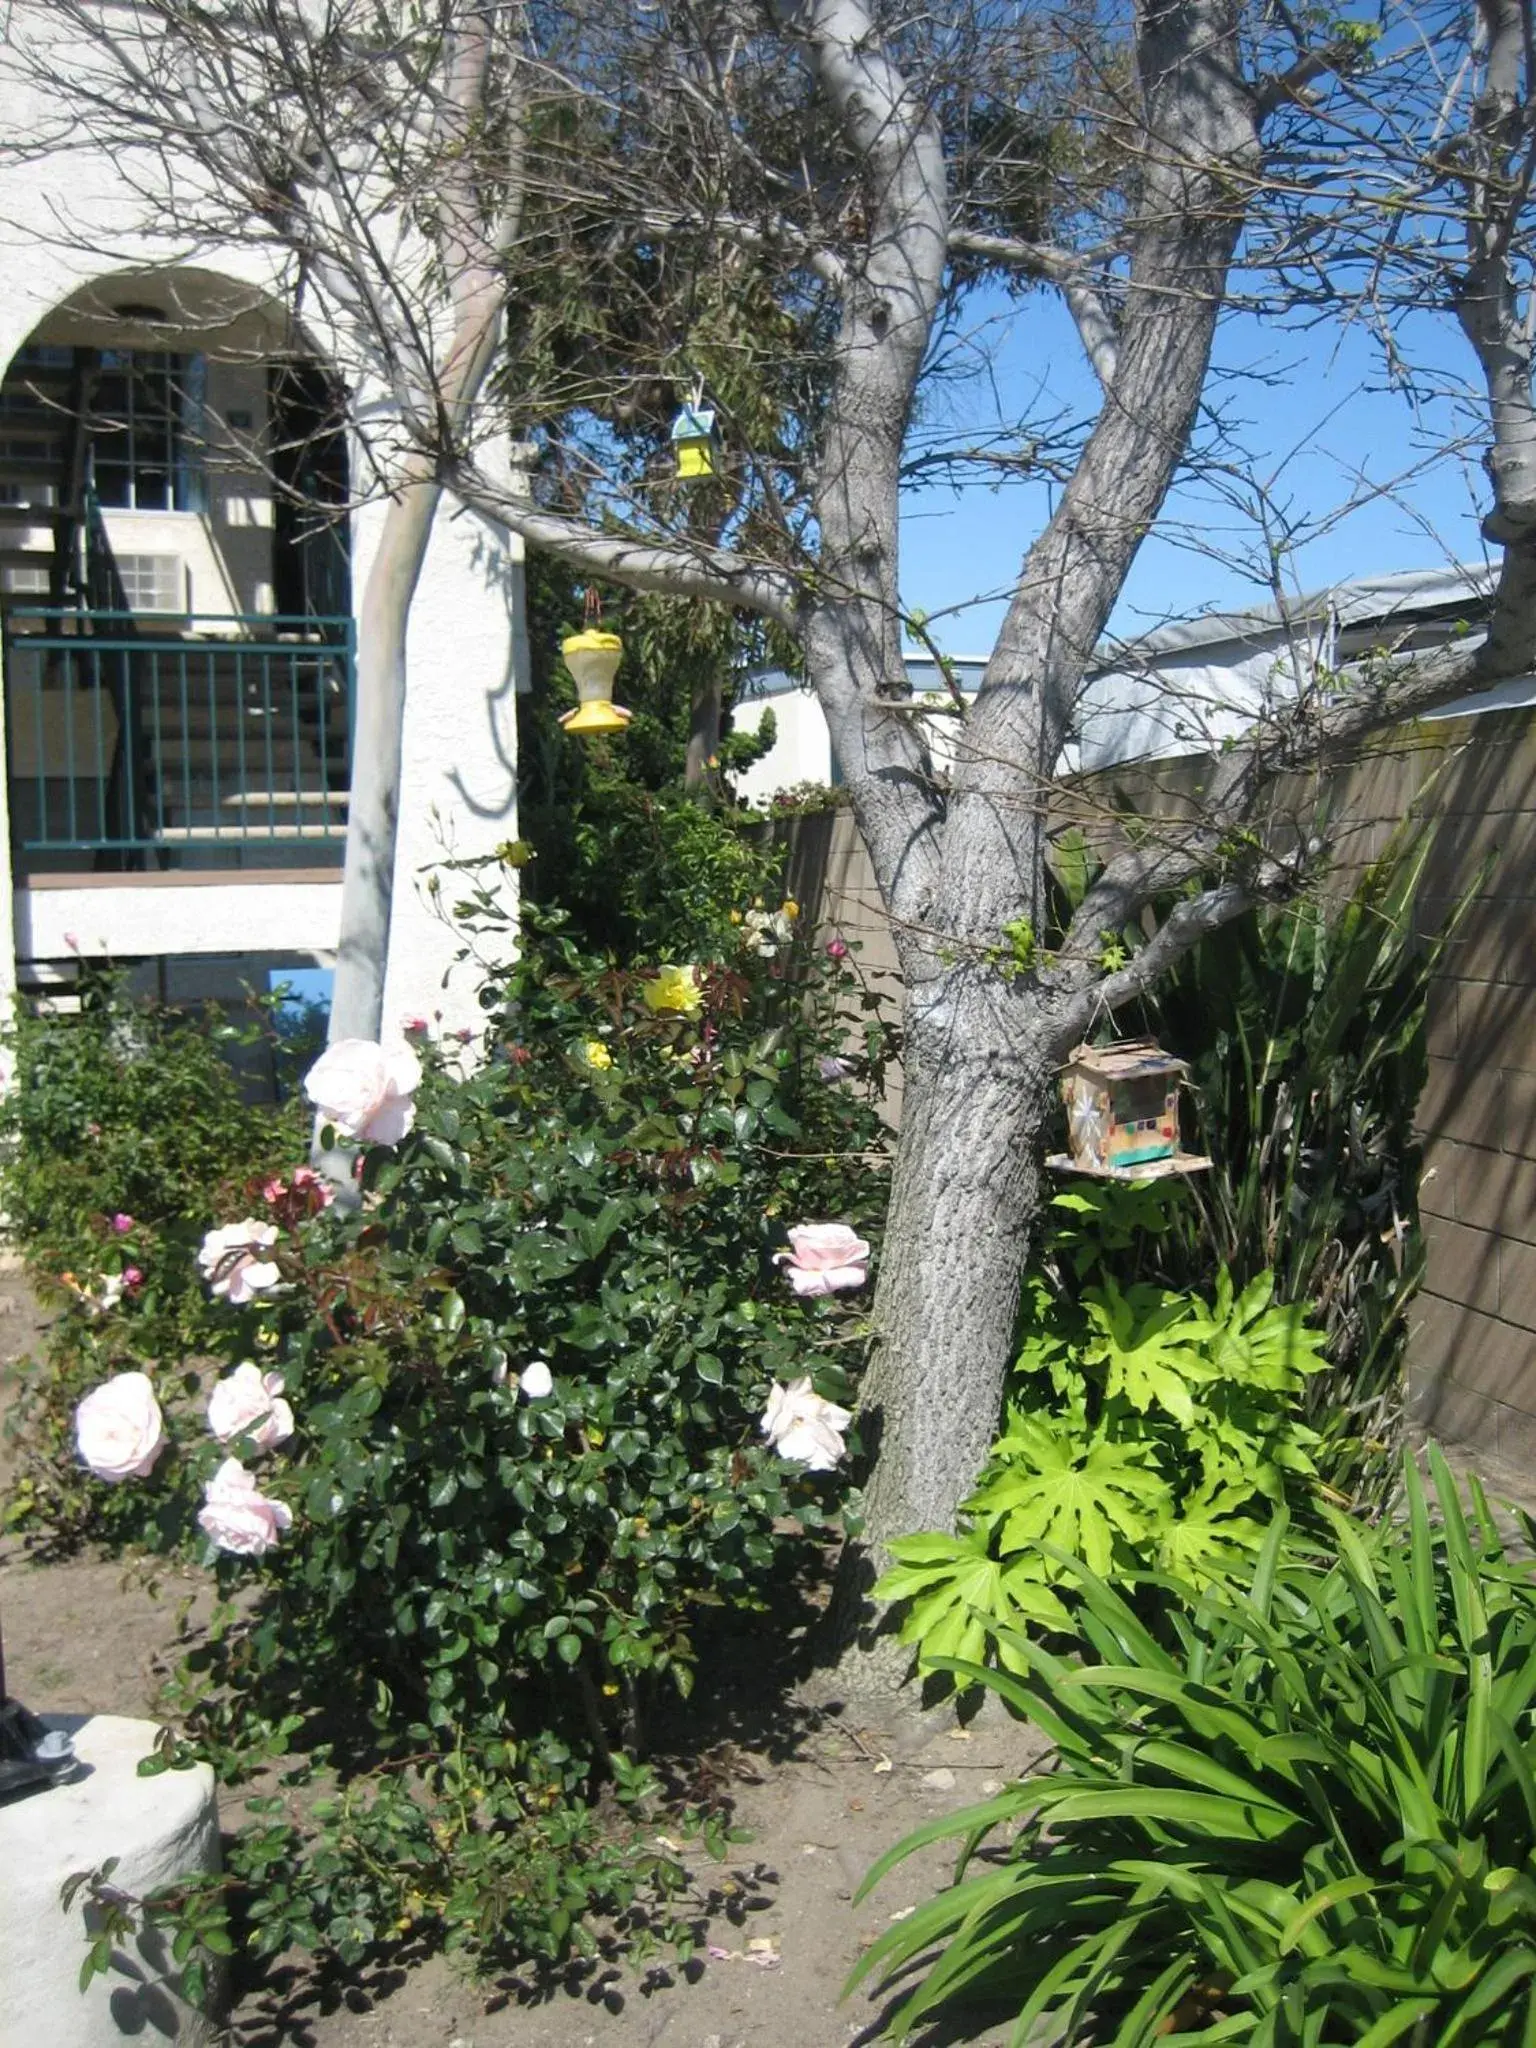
x: 246, y: 1403
x: 119, y: 1430
x: 232, y: 1261
x: 365, y: 1091
x: 803, y: 1427
x: 536, y: 1380
x: 237, y: 1516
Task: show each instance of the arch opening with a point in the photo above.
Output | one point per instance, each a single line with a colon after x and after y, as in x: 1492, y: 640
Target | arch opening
x: 175, y: 589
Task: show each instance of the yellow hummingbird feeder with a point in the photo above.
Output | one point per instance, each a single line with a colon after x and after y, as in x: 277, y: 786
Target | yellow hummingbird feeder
x: 593, y: 658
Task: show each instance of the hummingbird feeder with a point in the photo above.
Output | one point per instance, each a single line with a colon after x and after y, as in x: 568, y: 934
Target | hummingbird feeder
x: 593, y: 658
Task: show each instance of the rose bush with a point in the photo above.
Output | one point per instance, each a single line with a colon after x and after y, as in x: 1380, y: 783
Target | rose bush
x: 128, y: 1123
x: 546, y: 1403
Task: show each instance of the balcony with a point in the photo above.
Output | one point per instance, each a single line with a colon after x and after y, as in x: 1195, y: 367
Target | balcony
x: 139, y: 746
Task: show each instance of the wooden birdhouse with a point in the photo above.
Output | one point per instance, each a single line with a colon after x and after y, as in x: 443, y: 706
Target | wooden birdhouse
x: 694, y: 443
x: 1122, y: 1106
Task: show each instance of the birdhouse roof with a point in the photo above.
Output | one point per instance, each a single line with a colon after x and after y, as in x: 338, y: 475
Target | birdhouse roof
x: 1132, y: 1059
x: 693, y: 423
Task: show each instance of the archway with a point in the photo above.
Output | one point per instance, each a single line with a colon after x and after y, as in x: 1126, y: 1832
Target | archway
x: 174, y: 582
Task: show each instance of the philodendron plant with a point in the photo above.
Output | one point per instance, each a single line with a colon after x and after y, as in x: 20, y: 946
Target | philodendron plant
x: 1296, y: 1815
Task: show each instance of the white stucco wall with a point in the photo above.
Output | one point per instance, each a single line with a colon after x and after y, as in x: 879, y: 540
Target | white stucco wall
x: 458, y: 797
x: 137, y: 920
x: 802, y: 748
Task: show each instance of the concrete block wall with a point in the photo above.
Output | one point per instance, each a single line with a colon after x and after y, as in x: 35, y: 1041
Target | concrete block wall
x: 1472, y: 1356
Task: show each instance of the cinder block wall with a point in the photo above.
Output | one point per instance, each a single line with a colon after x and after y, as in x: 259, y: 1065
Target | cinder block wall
x: 1472, y: 1358
x: 1472, y: 1355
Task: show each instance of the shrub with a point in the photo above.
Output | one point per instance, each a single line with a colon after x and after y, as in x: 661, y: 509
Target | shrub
x: 1299, y: 1814
x: 124, y: 1125
x: 1146, y: 1426
x: 528, y: 1377
x: 1304, y: 1027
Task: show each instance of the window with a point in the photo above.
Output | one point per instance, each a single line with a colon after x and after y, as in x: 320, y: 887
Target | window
x: 152, y: 583
x: 146, y: 431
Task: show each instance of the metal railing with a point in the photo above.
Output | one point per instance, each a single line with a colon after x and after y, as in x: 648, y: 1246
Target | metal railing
x: 130, y: 745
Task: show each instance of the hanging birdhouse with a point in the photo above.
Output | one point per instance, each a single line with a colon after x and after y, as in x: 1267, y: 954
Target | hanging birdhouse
x: 694, y: 443
x: 1122, y: 1105
x: 593, y: 659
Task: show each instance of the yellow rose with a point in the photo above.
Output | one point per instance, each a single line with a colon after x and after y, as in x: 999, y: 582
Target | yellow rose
x: 789, y: 908
x: 596, y: 1054
x: 674, y: 988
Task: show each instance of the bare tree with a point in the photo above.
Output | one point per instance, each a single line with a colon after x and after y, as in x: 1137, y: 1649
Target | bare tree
x: 859, y: 166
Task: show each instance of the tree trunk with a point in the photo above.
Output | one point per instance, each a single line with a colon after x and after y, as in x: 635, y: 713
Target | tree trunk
x: 980, y: 1080
x: 704, y: 722
x: 368, y: 879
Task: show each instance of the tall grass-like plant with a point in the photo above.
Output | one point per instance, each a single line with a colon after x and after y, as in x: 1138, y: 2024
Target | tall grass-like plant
x: 1304, y: 1029
x: 1298, y: 1816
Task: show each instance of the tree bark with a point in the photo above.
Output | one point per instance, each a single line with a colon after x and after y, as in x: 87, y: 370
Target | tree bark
x: 979, y: 1086
x: 373, y: 819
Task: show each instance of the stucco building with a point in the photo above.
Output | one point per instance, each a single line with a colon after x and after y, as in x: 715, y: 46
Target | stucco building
x: 182, y: 543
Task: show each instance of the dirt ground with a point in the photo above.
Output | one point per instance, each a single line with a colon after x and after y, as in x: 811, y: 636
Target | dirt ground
x: 823, y: 1797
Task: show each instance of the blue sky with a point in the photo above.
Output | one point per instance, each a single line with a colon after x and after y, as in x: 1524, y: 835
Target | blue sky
x: 1310, y: 411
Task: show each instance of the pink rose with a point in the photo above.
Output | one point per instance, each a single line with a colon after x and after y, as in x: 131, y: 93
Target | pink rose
x: 803, y: 1427
x: 824, y: 1258
x: 237, y: 1516
x: 365, y: 1091
x: 416, y: 1026
x: 132, y: 1279
x: 245, y: 1403
x: 234, y: 1260
x: 303, y: 1195
x: 119, y: 1430
x: 836, y: 949
x: 122, y: 1224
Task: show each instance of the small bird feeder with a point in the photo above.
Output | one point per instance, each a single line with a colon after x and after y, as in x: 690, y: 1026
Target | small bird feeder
x: 593, y: 658
x: 693, y: 437
x: 1122, y: 1105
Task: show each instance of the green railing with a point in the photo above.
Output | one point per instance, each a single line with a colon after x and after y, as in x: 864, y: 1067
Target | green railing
x: 130, y: 746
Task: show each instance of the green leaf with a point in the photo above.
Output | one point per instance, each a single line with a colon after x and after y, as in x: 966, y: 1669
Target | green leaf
x: 1078, y: 1497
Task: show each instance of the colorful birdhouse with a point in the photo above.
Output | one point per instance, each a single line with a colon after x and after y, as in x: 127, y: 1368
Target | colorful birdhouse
x: 593, y: 659
x: 694, y: 443
x: 1122, y: 1105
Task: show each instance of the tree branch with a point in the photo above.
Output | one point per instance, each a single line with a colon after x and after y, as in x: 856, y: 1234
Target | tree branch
x: 715, y: 574
x: 1087, y: 305
x: 1184, y: 926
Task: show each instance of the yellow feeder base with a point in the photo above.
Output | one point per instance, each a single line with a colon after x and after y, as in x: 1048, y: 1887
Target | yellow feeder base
x: 596, y: 717
x: 695, y: 458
